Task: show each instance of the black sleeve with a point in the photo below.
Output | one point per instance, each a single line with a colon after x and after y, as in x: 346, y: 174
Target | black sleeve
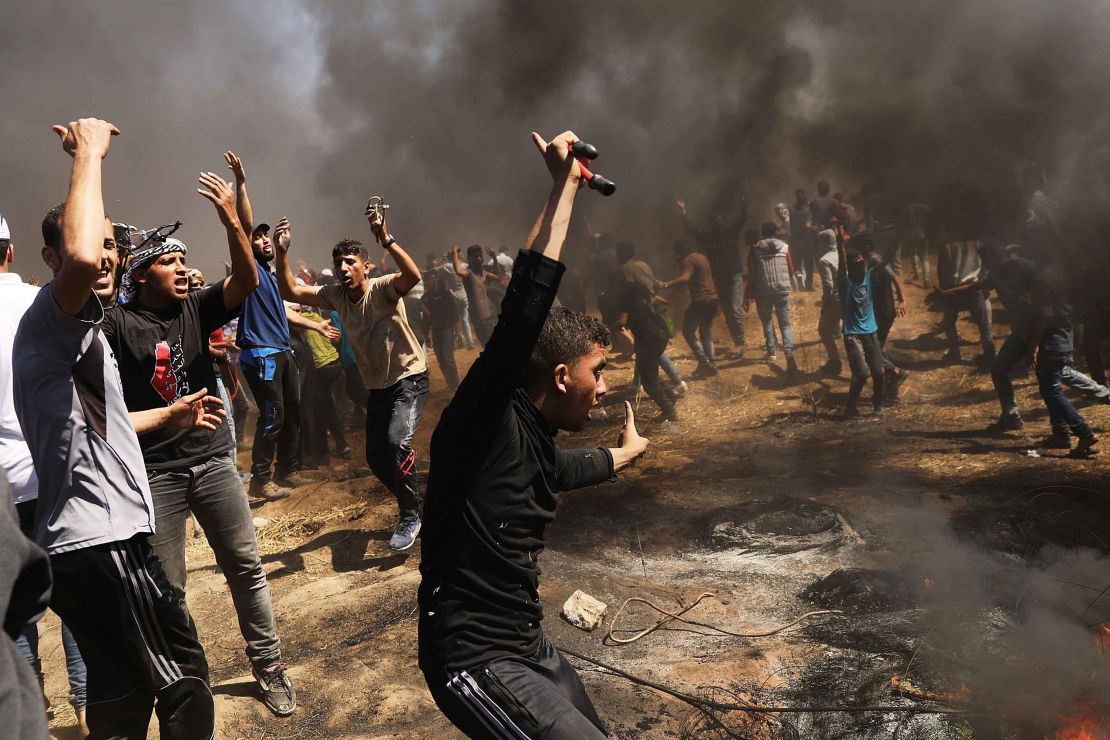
x: 581, y: 468
x: 694, y: 232
x: 485, y: 393
x: 111, y: 324
x: 210, y: 306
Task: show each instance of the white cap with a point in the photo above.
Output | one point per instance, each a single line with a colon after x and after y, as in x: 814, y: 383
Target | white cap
x: 327, y: 272
x: 4, y: 232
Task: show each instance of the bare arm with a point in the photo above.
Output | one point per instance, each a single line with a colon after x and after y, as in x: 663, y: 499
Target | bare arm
x: 242, y: 200
x: 687, y: 273
x: 460, y: 269
x: 87, y: 141
x: 841, y: 255
x: 243, y: 278
x: 408, y: 273
x: 550, y: 231
x: 195, y: 410
x: 300, y: 322
x: 900, y: 308
x: 305, y: 295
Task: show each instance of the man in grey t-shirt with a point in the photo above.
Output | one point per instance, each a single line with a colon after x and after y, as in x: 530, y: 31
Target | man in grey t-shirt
x: 95, y: 512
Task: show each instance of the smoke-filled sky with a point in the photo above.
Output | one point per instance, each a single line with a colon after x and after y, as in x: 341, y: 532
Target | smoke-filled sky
x: 430, y: 103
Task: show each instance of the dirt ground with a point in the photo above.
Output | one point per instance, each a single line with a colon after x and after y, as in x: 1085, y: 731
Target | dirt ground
x: 753, y: 447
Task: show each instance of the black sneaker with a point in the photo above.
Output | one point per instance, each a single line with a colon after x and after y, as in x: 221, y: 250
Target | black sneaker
x: 791, y: 365
x: 894, y: 384
x: 830, y: 370
x: 1083, y: 449
x: 276, y: 690
x: 1007, y: 423
x: 1056, y: 442
x: 851, y: 413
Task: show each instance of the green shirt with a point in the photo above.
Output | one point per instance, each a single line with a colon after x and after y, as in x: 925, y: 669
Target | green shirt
x: 323, y: 351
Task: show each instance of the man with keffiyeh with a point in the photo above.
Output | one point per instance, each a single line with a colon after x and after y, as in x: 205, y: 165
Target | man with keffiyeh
x: 160, y: 339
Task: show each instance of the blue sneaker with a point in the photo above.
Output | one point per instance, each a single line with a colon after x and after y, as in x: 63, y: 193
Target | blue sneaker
x: 404, y: 536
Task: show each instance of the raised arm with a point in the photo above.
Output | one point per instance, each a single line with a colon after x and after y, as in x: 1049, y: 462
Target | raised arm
x: 549, y: 232
x: 687, y: 225
x: 841, y: 255
x: 305, y: 295
x: 243, y: 278
x: 460, y: 269
x: 83, y: 239
x: 242, y: 201
x: 408, y: 274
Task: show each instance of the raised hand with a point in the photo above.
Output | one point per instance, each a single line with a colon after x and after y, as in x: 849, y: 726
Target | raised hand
x: 681, y: 203
x: 378, y: 226
x: 197, y: 410
x: 556, y: 154
x: 283, y: 236
x: 221, y: 195
x: 89, y: 136
x: 235, y: 165
x: 630, y: 445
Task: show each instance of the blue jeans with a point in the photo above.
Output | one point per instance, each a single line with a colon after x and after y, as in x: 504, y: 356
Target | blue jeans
x: 768, y: 308
x: 28, y: 644
x: 1065, y: 419
x: 669, y: 368
x: 392, y: 415
x: 699, y: 321
x: 730, y: 294
x: 1012, y: 352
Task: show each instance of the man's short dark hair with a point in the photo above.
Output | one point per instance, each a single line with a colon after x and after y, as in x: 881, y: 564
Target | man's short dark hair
x: 852, y: 255
x: 768, y: 229
x: 52, y: 226
x: 625, y: 251
x: 474, y: 251
x: 566, y: 336
x: 823, y: 188
x: 350, y: 246
x: 5, y: 244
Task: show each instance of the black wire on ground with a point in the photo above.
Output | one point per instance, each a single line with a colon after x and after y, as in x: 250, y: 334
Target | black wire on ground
x: 758, y: 708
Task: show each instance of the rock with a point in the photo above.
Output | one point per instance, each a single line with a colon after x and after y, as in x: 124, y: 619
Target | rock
x: 259, y: 522
x: 584, y: 611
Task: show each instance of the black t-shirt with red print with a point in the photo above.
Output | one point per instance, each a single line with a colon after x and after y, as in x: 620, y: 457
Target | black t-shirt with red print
x: 163, y: 355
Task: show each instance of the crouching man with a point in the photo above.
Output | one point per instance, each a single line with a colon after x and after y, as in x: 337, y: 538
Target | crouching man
x: 494, y: 485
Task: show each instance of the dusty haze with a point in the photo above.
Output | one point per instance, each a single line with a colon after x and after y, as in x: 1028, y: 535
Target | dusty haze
x: 431, y: 103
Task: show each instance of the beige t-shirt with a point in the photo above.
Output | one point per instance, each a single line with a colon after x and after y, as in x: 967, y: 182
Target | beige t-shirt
x: 385, y: 345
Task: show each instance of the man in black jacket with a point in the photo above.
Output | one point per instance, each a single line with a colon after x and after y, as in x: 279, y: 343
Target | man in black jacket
x: 493, y: 487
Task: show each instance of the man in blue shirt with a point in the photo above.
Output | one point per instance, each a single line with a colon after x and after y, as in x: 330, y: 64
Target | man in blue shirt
x: 267, y: 360
x: 861, y: 331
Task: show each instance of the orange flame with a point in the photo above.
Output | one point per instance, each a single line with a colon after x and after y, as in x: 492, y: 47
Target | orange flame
x: 1083, y: 726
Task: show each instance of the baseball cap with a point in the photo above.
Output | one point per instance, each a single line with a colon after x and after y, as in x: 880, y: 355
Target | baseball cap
x: 326, y: 272
x: 261, y: 227
x: 5, y: 233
